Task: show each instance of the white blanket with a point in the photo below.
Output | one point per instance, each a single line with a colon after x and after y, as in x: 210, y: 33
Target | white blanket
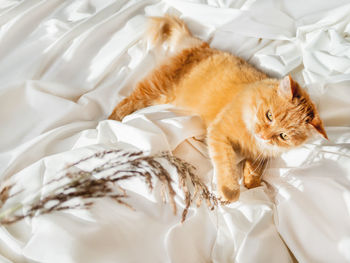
x: 65, y: 64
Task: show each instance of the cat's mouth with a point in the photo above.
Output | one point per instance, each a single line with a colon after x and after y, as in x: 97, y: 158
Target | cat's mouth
x: 261, y: 140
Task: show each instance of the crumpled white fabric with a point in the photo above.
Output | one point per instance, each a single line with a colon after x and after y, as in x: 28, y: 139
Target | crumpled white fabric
x: 65, y: 64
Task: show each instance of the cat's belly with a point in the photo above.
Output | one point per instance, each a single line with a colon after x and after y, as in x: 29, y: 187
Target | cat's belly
x: 203, y: 99
x: 208, y: 88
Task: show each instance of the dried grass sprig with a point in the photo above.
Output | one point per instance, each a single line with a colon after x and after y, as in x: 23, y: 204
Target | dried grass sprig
x: 79, y: 187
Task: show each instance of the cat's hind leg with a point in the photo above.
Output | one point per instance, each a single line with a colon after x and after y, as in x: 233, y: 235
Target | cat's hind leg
x: 142, y: 96
x: 125, y: 107
x: 160, y: 82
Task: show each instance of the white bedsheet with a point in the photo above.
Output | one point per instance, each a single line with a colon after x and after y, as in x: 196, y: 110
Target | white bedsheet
x: 65, y: 64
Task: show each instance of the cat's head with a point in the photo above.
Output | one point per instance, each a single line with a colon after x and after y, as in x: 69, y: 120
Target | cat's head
x: 284, y: 116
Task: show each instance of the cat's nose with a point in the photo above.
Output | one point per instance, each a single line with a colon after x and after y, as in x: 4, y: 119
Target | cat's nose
x: 263, y: 137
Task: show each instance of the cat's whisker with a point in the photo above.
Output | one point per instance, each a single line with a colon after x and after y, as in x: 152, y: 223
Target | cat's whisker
x: 266, y: 165
x: 258, y: 158
x: 257, y: 167
x: 260, y: 164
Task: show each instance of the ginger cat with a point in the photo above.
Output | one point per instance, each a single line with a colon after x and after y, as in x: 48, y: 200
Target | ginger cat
x: 245, y: 111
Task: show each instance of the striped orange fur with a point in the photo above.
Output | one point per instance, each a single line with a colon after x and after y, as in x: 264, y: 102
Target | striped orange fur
x: 245, y: 111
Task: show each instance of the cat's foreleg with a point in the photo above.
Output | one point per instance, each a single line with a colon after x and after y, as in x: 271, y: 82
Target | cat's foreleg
x: 252, y: 172
x: 224, y: 162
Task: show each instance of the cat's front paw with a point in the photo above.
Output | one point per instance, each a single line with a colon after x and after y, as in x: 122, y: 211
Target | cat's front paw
x: 251, y: 177
x: 229, y: 193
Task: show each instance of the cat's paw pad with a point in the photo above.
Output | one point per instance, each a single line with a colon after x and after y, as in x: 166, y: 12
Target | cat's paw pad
x: 229, y: 194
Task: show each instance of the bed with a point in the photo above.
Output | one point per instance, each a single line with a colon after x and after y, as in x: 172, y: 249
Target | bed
x: 65, y: 64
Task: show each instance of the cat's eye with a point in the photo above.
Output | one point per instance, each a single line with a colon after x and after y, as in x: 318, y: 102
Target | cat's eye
x: 284, y: 136
x: 269, y: 115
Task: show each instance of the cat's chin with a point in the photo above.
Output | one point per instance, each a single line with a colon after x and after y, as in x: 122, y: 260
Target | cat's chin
x: 261, y: 141
x: 267, y: 148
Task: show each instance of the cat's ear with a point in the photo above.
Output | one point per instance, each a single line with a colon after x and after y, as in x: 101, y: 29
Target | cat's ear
x: 318, y: 125
x: 287, y: 88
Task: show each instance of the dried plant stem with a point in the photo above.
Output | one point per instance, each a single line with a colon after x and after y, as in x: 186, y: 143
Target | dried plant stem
x: 10, y: 211
x: 101, y: 181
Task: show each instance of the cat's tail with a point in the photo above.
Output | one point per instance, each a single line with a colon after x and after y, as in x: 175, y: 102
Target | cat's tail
x: 172, y: 31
